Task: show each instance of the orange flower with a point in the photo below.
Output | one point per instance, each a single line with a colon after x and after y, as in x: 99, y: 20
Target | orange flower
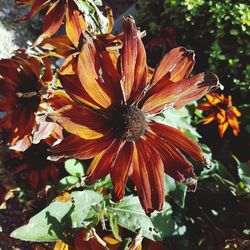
x: 109, y: 118
x: 34, y: 166
x: 55, y: 10
x: 20, y: 89
x: 222, y: 111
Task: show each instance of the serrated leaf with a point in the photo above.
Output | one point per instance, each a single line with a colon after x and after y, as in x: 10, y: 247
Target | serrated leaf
x: 130, y: 215
x: 49, y: 224
x: 74, y: 168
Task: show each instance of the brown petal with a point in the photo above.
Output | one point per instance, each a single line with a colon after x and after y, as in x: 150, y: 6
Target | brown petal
x: 148, y: 176
x: 179, y: 94
x: 74, y: 89
x: 175, y: 163
x: 81, y: 121
x: 175, y: 66
x: 133, y: 62
x: 176, y: 138
x: 52, y: 20
x: 74, y: 146
x: 120, y: 170
x: 103, y: 162
x: 94, y: 76
x: 37, y: 5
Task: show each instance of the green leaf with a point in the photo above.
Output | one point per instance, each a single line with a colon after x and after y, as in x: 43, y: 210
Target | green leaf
x: 130, y: 215
x: 179, y: 194
x: 74, y: 168
x: 180, y: 119
x: 50, y: 224
x: 66, y: 182
x: 169, y: 184
x: 244, y: 173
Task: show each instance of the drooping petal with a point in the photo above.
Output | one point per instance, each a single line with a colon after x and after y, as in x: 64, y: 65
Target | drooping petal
x: 82, y: 121
x: 133, y: 62
x: 175, y: 66
x: 52, y: 20
x: 37, y: 5
x: 180, y: 141
x: 103, y: 162
x: 74, y: 22
x: 175, y: 163
x: 58, y: 46
x: 76, y: 147
x: 179, y: 94
x: 120, y: 170
x: 148, y: 176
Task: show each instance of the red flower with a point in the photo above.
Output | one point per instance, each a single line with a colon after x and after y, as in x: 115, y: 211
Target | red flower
x: 21, y: 98
x: 222, y: 111
x: 109, y: 117
x: 35, y: 167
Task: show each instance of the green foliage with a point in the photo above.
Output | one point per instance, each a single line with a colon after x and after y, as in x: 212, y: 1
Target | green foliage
x: 52, y: 222
x: 130, y: 215
x: 218, y: 31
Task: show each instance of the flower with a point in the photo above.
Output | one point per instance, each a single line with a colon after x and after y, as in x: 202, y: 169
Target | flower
x: 222, y: 111
x: 108, y: 115
x: 74, y: 13
x: 21, y: 99
x: 34, y: 165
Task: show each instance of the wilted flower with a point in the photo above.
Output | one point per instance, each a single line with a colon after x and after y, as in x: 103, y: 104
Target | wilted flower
x: 109, y: 118
x: 74, y: 13
x: 21, y: 84
x: 222, y: 111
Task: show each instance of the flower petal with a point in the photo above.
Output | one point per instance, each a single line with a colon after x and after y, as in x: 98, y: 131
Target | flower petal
x: 222, y: 128
x: 176, y: 138
x: 209, y: 118
x: 81, y: 121
x: 179, y: 94
x: 76, y: 147
x: 120, y: 170
x: 233, y: 122
x: 175, y: 163
x: 93, y: 75
x: 74, y: 89
x: 148, y: 176
x: 215, y: 98
x: 133, y: 62
x: 74, y: 22
x: 103, y: 162
x: 206, y: 106
x: 52, y: 20
x: 37, y: 5
x: 175, y: 66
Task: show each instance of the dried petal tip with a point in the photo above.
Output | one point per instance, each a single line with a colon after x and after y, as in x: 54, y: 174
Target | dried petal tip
x: 212, y: 81
x: 206, y: 161
x: 191, y: 183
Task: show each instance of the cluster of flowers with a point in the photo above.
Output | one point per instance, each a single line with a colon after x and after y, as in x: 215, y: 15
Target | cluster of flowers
x: 99, y: 105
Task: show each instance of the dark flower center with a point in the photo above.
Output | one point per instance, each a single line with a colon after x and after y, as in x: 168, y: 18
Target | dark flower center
x: 130, y: 123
